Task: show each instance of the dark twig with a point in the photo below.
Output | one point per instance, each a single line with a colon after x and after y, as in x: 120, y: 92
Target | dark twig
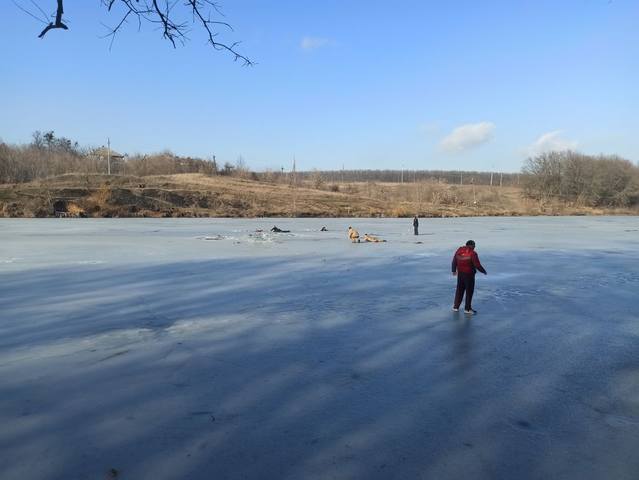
x: 44, y: 14
x: 114, y: 31
x: 58, y: 21
x: 206, y: 24
x: 29, y: 13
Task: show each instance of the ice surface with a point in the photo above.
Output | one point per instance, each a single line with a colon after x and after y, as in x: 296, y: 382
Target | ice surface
x: 201, y: 349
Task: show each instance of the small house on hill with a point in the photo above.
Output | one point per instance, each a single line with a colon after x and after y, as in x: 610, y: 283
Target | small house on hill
x: 112, y: 160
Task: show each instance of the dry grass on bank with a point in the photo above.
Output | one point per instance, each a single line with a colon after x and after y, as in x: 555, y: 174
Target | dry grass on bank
x: 195, y: 195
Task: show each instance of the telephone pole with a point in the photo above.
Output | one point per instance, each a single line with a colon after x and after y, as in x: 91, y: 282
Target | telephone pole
x: 293, y: 169
x: 294, y: 190
x: 109, y: 156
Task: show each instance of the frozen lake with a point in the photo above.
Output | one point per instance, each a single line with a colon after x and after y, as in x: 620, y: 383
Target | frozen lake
x: 202, y: 349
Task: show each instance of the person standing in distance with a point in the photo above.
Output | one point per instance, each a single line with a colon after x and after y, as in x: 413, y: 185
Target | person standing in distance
x: 465, y: 265
x: 416, y: 224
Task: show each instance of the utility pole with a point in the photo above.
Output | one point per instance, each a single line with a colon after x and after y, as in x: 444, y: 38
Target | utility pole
x: 461, y: 178
x: 472, y: 182
x: 491, y: 179
x: 294, y: 189
x: 293, y: 169
x: 501, y: 177
x: 109, y: 156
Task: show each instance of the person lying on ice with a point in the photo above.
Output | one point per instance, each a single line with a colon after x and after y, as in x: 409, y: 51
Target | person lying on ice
x: 372, y: 238
x: 279, y: 230
x: 465, y: 265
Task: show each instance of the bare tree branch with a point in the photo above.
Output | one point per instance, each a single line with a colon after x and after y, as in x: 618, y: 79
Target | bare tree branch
x: 30, y: 14
x: 114, y: 31
x: 58, y: 21
x: 196, y: 6
x: 44, y: 14
x: 165, y: 14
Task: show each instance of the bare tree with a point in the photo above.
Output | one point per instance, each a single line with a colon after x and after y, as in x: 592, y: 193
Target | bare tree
x: 608, y: 181
x: 174, y: 18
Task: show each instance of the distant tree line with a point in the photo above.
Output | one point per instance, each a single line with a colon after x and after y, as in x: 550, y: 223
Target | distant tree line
x: 47, y: 155
x: 607, y: 181
x: 166, y: 163
x: 411, y: 176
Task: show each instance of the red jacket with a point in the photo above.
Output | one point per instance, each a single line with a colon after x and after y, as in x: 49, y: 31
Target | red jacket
x: 466, y: 261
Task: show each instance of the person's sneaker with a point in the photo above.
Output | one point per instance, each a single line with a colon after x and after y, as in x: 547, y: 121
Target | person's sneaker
x: 455, y: 309
x: 470, y: 312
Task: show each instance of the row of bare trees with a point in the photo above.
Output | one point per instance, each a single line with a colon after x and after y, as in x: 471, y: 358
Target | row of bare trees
x: 48, y: 156
x: 601, y: 180
x: 166, y: 163
x: 568, y: 176
x: 45, y: 156
x: 452, y: 177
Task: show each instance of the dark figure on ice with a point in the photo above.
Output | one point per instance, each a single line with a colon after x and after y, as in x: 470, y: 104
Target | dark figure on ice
x: 324, y: 229
x: 416, y: 225
x: 465, y: 265
x: 279, y: 230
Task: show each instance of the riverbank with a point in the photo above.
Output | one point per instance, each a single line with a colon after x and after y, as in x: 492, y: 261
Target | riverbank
x: 197, y: 195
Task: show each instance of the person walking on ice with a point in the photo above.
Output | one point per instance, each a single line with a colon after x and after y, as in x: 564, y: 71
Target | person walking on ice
x: 465, y: 265
x: 416, y: 225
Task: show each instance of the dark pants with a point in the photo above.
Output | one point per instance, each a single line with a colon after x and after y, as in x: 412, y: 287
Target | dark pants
x: 465, y: 284
x: 416, y: 228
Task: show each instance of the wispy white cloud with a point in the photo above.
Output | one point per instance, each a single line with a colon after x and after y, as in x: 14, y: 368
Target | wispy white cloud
x: 467, y: 136
x: 551, y: 141
x: 313, y: 43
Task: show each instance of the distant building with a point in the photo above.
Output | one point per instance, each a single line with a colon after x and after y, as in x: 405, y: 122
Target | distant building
x: 112, y: 160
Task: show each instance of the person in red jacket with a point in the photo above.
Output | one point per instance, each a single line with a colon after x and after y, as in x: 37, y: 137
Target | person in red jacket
x: 465, y: 265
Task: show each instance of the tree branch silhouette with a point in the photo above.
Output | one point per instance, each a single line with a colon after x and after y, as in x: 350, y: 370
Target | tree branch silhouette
x: 58, y: 21
x: 168, y: 15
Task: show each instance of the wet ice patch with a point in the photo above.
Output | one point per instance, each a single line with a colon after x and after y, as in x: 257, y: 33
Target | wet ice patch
x: 10, y: 260
x: 620, y: 421
x: 211, y: 237
x: 260, y: 237
x: 502, y: 294
x: 499, y: 276
x: 606, y: 280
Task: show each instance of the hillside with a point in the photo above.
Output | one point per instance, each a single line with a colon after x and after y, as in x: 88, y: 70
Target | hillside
x: 197, y: 195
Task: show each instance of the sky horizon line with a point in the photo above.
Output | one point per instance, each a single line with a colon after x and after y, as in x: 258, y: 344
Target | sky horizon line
x: 289, y: 166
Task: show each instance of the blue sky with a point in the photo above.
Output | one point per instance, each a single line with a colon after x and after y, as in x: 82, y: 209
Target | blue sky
x: 364, y: 84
